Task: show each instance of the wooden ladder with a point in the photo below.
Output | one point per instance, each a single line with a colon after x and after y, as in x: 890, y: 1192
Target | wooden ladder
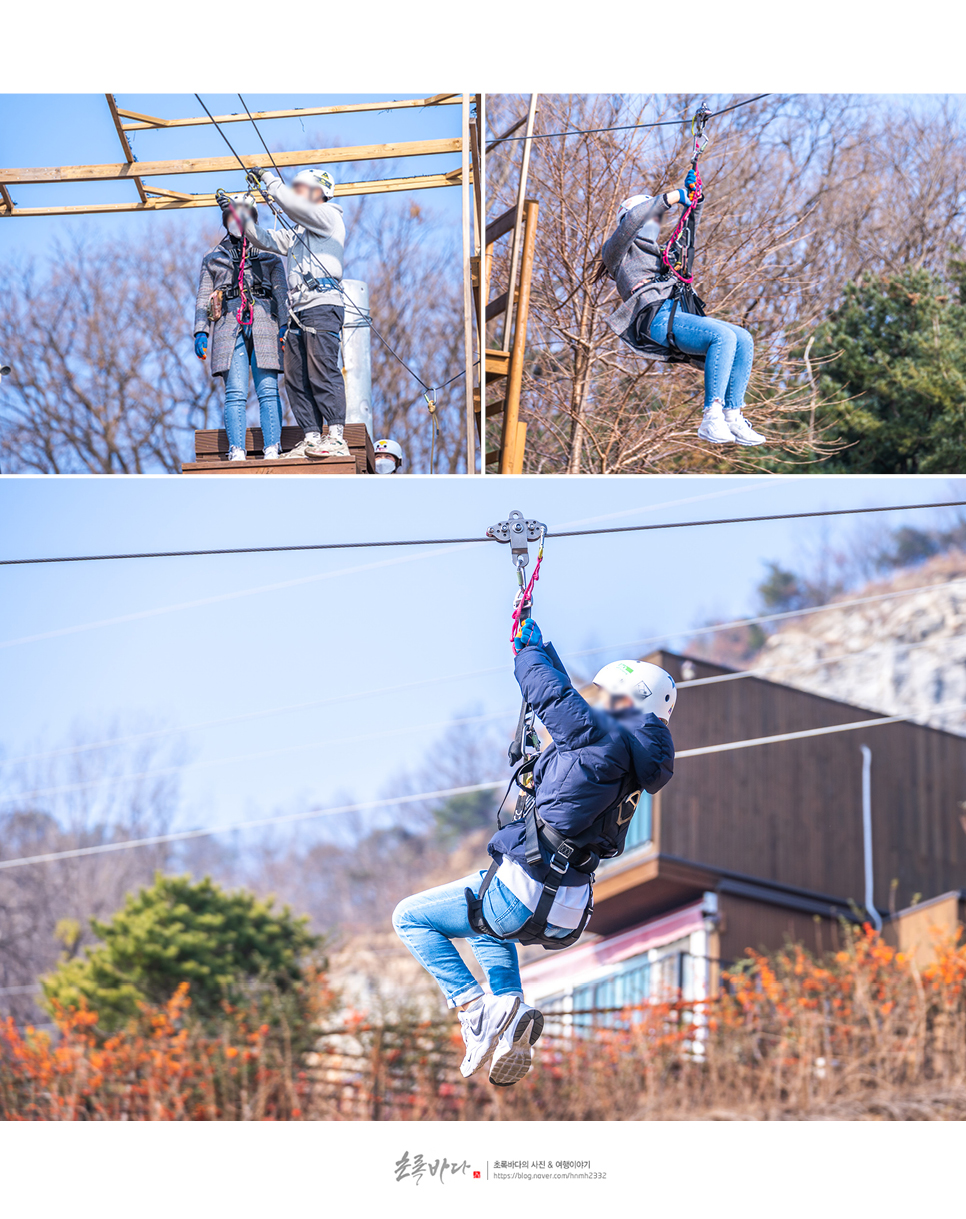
x: 504, y: 364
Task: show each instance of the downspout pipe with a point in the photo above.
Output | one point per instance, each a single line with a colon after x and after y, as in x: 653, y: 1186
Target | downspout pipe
x: 867, y: 838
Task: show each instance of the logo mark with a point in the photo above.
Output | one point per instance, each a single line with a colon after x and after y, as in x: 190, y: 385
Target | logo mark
x: 631, y: 804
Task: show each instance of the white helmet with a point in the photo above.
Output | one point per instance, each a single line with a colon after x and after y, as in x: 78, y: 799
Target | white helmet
x: 649, y: 687
x: 389, y: 446
x: 627, y: 204
x: 316, y: 177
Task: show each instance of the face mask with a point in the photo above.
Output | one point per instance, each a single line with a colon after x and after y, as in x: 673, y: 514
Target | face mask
x: 233, y: 227
x: 385, y: 465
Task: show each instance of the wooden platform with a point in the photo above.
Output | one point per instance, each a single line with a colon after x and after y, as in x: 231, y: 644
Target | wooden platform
x: 211, y: 454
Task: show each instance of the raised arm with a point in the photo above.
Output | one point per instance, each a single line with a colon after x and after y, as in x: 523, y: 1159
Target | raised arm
x: 274, y: 241
x: 568, y: 717
x: 321, y: 218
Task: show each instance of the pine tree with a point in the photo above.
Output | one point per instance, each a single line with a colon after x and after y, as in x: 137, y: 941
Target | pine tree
x: 897, y: 352
x: 229, y: 946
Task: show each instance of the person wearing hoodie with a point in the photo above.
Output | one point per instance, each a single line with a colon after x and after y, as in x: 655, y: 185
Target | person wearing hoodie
x: 662, y: 319
x: 241, y: 310
x: 585, y: 785
x: 314, y: 251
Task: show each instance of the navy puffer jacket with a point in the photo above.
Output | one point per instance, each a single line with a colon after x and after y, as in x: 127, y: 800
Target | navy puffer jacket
x: 584, y: 772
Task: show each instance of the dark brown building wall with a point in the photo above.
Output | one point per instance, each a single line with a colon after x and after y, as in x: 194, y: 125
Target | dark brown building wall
x: 748, y: 925
x: 792, y: 812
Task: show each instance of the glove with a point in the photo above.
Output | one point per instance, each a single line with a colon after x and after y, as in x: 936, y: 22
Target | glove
x: 256, y: 172
x: 690, y: 183
x: 281, y: 333
x: 529, y: 636
x: 222, y: 198
x: 201, y: 345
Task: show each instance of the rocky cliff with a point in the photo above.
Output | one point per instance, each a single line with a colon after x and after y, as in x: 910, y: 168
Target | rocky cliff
x: 905, y: 655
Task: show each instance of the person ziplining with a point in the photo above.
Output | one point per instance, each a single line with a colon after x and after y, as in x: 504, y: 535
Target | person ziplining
x: 577, y: 797
x: 662, y: 317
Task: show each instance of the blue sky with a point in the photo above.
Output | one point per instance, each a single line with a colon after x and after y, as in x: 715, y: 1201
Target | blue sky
x: 354, y: 621
x: 77, y: 129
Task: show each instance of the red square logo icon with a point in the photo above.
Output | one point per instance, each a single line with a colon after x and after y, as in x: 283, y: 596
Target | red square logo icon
x: 476, y: 1174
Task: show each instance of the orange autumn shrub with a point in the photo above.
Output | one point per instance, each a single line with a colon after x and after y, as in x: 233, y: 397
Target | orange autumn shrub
x: 788, y: 1035
x: 160, y: 1068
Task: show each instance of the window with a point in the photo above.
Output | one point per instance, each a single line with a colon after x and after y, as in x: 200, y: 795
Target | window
x: 659, y: 975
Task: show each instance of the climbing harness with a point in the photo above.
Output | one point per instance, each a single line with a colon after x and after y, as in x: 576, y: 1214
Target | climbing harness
x: 543, y: 844
x: 244, y: 300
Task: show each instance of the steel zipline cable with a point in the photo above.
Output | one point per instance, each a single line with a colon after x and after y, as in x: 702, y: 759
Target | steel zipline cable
x: 563, y: 533
x: 283, y: 220
x: 553, y: 135
x: 104, y: 848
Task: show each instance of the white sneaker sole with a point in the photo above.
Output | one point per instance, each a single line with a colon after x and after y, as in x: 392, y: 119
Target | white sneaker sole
x: 509, y: 1068
x: 492, y: 1043
x: 750, y: 444
x: 715, y: 439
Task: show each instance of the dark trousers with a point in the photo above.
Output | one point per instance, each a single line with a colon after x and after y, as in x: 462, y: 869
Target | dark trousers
x: 314, y: 383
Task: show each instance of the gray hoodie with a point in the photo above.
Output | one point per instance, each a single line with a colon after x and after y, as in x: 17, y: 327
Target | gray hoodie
x: 632, y: 255
x: 315, y: 249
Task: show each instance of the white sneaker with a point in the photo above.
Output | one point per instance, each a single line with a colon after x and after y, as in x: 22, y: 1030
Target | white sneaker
x: 741, y: 429
x: 302, y: 446
x: 237, y: 454
x: 713, y: 426
x: 482, y: 1025
x: 272, y: 452
x: 332, y: 446
x: 514, y: 1053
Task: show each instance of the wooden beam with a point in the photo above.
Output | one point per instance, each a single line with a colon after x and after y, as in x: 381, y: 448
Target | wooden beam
x: 7, y: 201
x: 497, y: 363
x: 171, y: 194
x: 514, y: 433
x: 207, y: 165
x: 518, y: 233
x: 468, y: 249
x: 496, y: 306
x: 149, y: 122
x: 165, y: 201
x: 501, y: 225
x: 125, y: 143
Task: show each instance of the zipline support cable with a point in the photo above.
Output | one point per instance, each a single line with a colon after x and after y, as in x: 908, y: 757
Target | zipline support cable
x: 563, y: 533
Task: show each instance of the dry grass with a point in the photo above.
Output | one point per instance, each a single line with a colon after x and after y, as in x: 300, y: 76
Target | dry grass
x: 859, y: 1035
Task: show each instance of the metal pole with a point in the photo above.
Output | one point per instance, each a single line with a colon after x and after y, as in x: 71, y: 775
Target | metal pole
x: 484, y: 285
x: 867, y: 837
x: 518, y: 227
x: 357, y: 355
x: 467, y: 290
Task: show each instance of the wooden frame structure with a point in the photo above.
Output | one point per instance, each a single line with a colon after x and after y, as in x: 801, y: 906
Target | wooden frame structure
x: 505, y: 363
x: 154, y: 198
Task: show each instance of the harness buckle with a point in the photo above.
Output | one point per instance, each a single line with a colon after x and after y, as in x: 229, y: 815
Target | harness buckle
x: 563, y: 851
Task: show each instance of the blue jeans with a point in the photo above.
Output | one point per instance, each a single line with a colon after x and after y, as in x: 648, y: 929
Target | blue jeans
x: 427, y: 923
x: 728, y: 352
x: 236, y: 396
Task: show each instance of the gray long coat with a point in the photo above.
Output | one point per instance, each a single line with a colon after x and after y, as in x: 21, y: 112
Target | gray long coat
x: 632, y: 255
x: 219, y: 271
